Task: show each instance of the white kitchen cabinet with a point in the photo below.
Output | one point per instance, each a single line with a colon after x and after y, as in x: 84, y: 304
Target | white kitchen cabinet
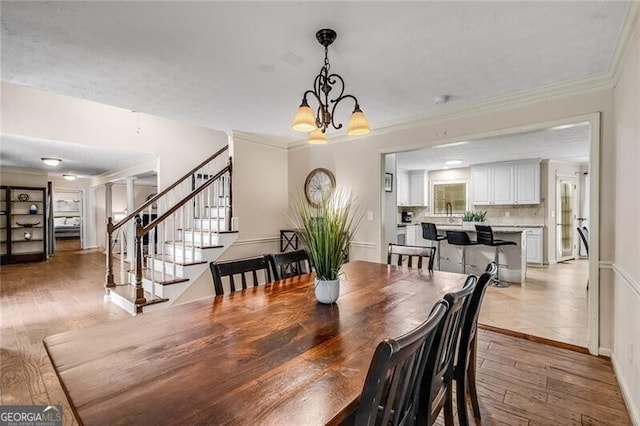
x: 418, y: 188
x: 403, y: 187
x: 502, y: 185
x: 411, y: 235
x: 481, y: 182
x: 506, y: 183
x: 527, y: 183
x: 534, y: 245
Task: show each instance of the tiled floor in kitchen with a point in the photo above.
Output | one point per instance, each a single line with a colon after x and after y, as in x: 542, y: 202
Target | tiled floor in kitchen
x: 552, y: 304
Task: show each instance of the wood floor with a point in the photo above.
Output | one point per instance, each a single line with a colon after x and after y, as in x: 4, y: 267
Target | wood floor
x: 520, y: 382
x: 552, y: 304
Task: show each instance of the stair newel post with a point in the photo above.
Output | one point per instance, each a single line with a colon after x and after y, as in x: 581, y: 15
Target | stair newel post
x: 229, y: 207
x: 109, y: 282
x: 140, y: 300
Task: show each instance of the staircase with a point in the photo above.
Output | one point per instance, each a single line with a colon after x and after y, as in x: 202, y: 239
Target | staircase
x: 188, y: 226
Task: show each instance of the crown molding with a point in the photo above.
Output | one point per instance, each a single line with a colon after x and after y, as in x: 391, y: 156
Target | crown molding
x: 136, y: 169
x: 257, y: 139
x: 629, y: 34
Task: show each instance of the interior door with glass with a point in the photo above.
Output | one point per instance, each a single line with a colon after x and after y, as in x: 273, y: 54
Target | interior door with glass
x: 565, y: 217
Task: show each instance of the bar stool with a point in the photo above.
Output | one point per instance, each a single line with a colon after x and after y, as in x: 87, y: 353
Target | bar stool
x: 485, y: 237
x: 430, y: 232
x: 461, y: 238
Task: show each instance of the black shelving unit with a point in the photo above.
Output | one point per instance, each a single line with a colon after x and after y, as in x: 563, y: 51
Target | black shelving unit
x: 22, y: 224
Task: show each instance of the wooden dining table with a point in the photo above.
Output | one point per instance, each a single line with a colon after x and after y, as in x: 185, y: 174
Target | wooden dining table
x: 268, y: 355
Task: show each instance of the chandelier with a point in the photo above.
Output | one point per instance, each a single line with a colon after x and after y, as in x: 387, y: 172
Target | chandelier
x: 324, y: 83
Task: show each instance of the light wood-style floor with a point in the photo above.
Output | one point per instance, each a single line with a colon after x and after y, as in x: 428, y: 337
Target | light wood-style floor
x: 552, y: 304
x: 520, y: 382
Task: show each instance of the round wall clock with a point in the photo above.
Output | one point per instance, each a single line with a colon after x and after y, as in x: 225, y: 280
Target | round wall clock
x: 319, y: 186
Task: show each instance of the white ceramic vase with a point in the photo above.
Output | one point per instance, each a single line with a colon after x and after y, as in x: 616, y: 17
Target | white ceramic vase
x: 327, y: 291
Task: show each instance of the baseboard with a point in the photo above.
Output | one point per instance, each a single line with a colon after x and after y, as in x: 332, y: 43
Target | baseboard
x: 605, y: 352
x: 536, y: 339
x: 626, y: 394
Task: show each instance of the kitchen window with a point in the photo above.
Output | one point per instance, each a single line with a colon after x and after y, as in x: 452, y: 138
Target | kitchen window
x: 449, y: 198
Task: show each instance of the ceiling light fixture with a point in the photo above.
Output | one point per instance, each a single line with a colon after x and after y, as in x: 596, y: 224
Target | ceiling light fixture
x: 51, y: 161
x: 69, y: 177
x: 324, y: 82
x: 453, y: 162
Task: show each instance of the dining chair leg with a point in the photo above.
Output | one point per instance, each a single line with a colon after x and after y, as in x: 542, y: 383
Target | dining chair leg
x: 448, y: 406
x: 471, y: 379
x: 441, y: 269
x: 461, y: 396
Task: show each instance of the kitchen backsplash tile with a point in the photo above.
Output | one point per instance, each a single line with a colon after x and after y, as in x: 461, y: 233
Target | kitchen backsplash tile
x: 526, y: 215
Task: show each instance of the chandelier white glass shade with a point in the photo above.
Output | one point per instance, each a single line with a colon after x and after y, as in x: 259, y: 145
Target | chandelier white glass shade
x: 306, y: 121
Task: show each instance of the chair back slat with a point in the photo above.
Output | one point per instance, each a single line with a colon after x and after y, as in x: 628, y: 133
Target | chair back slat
x: 289, y: 264
x: 460, y: 238
x: 484, y: 235
x: 410, y: 252
x: 391, y: 389
x: 429, y: 231
x: 230, y: 268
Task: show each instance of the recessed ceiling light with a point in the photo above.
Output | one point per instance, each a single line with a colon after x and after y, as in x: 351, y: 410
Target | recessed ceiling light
x: 452, y: 162
x: 447, y: 145
x: 70, y: 177
x: 51, y: 161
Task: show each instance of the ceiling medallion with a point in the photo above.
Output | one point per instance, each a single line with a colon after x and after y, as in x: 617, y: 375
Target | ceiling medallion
x: 323, y: 84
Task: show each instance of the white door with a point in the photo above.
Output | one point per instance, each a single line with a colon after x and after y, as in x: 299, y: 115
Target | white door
x: 565, y: 218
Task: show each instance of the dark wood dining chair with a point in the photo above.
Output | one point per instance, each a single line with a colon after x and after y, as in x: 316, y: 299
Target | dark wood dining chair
x: 436, y: 388
x: 289, y: 264
x: 391, y: 388
x: 464, y: 371
x: 242, y: 267
x: 409, y: 252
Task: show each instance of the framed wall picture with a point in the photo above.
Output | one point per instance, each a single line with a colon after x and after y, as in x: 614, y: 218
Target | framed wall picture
x: 388, y: 182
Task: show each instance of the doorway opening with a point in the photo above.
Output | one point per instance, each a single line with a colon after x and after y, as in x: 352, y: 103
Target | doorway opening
x: 551, y: 301
x: 68, y: 219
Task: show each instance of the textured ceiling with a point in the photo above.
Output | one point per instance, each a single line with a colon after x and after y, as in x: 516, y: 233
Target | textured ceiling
x: 81, y: 160
x: 568, y: 144
x: 244, y: 65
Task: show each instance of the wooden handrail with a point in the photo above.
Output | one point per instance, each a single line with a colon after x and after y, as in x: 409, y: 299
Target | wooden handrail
x: 145, y: 229
x: 169, y: 188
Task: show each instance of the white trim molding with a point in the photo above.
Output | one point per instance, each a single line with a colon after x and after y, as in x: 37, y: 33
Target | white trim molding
x: 605, y: 351
x: 136, y: 169
x: 251, y: 241
x: 635, y: 286
x: 364, y: 244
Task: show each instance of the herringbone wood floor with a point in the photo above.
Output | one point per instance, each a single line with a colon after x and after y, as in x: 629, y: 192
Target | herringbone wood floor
x: 520, y: 382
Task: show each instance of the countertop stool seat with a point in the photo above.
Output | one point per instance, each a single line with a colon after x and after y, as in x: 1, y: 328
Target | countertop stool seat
x: 430, y: 232
x: 485, y: 237
x: 461, y: 238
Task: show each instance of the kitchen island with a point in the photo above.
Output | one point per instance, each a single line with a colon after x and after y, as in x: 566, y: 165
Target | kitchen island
x: 513, y: 259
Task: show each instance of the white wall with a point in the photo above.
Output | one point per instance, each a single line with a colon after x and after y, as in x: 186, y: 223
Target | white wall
x: 260, y: 197
x: 626, y: 301
x: 356, y: 164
